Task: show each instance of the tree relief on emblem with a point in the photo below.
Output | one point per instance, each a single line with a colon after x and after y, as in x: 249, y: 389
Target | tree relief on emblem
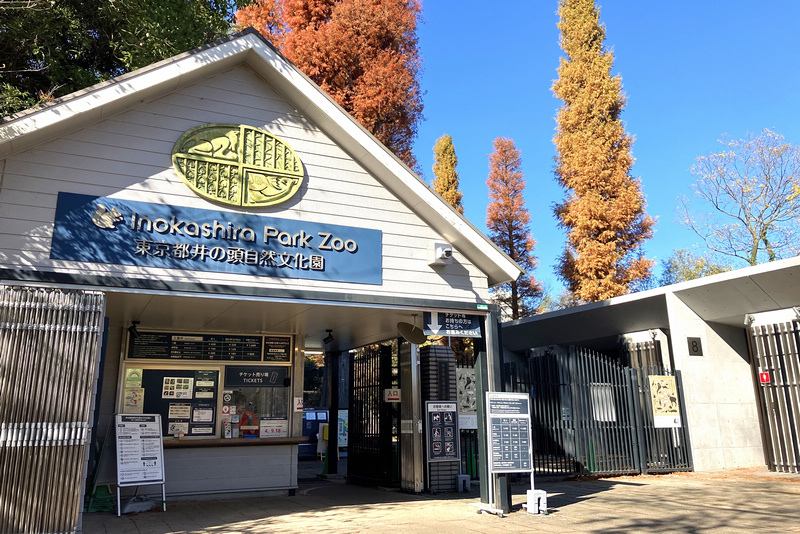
x: 237, y: 165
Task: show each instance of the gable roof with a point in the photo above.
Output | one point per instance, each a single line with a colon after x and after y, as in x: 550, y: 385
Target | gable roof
x: 32, y: 127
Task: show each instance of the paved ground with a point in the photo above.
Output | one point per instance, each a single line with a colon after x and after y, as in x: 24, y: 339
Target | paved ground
x: 752, y: 501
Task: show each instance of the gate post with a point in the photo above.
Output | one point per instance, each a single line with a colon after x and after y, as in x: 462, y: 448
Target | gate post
x: 687, y: 443
x: 488, y: 369
x: 636, y: 420
x: 332, y: 367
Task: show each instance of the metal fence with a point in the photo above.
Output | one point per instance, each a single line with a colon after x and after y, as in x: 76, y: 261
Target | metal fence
x: 591, y: 414
x: 49, y: 347
x: 776, y: 374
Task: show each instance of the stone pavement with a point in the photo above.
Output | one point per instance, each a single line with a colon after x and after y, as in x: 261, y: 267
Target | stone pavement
x: 743, y: 500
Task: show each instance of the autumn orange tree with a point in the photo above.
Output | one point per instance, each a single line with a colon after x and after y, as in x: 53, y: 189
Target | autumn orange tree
x: 507, y: 220
x: 266, y: 16
x: 444, y: 170
x: 604, y: 212
x: 363, y: 53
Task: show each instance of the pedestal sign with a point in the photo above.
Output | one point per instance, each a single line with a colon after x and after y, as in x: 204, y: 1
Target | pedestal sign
x: 140, y: 452
x: 510, y: 448
x: 509, y: 429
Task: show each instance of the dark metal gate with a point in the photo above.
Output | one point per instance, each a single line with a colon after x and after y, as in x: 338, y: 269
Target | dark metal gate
x: 49, y: 347
x: 592, y: 414
x: 775, y: 361
x: 371, y: 458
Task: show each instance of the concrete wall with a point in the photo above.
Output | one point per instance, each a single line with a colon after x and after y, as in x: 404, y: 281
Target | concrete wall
x: 720, y: 399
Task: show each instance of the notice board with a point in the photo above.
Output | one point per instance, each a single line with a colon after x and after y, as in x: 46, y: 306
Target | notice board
x: 186, y: 399
x: 509, y: 432
x: 140, y: 451
x: 442, y: 431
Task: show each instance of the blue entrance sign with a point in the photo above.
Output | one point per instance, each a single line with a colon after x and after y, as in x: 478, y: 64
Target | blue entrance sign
x: 125, y: 232
x: 451, y: 324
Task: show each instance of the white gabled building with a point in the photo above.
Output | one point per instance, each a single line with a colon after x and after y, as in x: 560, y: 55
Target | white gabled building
x: 164, y: 194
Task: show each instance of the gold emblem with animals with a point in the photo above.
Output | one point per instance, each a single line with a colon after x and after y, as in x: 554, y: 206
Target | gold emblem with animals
x: 237, y: 165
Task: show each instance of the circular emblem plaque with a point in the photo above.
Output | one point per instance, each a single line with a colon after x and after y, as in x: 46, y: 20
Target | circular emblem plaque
x: 237, y: 165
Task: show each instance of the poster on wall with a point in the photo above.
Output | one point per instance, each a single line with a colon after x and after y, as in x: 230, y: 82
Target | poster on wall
x: 133, y: 400
x: 467, y: 398
x: 133, y: 378
x: 664, y: 397
x: 343, y: 424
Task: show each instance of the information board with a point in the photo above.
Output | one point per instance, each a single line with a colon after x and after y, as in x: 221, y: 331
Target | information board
x: 278, y: 349
x: 509, y: 432
x: 174, y: 346
x: 451, y: 324
x: 442, y: 431
x: 140, y: 451
x: 186, y: 399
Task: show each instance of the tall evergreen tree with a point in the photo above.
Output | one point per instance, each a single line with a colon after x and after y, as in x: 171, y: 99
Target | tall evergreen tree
x: 444, y: 169
x: 604, y: 212
x: 363, y: 53
x: 507, y: 220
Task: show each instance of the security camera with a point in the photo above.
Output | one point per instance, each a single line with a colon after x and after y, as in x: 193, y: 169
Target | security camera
x: 440, y: 254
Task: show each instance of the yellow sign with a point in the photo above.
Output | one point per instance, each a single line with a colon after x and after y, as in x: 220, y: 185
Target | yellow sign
x: 237, y: 165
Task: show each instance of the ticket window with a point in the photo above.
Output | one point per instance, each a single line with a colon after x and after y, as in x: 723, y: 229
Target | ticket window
x: 260, y: 412
x: 256, y: 402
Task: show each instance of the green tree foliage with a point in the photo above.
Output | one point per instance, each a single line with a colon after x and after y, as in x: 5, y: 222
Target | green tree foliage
x: 683, y: 265
x: 52, y: 48
x: 604, y: 212
x: 363, y: 53
x: 508, y: 222
x: 753, y: 190
x: 444, y: 169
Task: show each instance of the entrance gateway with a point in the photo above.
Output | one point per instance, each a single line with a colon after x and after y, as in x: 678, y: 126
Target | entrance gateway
x: 233, y: 220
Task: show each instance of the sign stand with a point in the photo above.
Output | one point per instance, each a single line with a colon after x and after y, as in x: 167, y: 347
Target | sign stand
x: 140, y: 453
x: 510, y: 450
x: 443, y: 437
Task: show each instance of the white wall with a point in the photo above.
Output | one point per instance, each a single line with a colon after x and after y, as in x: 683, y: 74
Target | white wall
x: 720, y: 399
x: 129, y: 156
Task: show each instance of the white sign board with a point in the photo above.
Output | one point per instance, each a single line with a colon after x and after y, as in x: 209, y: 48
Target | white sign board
x: 391, y: 395
x: 140, y: 451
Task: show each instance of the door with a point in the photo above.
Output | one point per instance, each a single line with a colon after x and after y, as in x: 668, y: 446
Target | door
x: 371, y: 454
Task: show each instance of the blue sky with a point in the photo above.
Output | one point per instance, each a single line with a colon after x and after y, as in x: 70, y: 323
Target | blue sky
x: 692, y: 71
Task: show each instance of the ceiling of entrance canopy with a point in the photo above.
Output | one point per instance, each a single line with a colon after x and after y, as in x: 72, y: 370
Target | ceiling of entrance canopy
x: 351, y: 326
